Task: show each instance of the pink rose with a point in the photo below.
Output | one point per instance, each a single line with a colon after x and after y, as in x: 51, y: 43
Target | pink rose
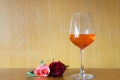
x: 57, y: 68
x: 42, y: 70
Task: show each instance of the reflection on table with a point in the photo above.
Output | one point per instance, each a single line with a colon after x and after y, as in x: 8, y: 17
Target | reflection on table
x: 20, y: 74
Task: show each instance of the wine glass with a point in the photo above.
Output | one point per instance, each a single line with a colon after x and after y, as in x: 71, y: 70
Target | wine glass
x: 82, y: 34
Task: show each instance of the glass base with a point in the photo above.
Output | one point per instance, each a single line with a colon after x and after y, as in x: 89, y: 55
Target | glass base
x: 82, y: 77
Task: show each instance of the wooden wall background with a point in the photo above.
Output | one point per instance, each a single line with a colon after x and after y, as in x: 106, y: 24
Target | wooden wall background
x: 35, y: 30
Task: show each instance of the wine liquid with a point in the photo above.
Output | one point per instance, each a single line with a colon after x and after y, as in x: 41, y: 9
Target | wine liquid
x: 82, y: 40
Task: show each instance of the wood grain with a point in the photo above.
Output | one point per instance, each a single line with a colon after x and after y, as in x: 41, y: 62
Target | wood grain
x: 35, y: 30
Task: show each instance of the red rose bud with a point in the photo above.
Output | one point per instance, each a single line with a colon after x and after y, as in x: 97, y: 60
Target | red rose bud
x: 57, y: 69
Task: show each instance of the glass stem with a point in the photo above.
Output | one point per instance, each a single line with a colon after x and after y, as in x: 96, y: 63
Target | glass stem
x: 82, y: 72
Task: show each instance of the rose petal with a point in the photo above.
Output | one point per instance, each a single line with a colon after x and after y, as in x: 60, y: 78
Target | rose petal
x: 42, y: 70
x: 57, y: 68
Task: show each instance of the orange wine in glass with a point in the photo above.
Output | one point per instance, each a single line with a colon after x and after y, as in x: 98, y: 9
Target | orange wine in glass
x: 82, y: 34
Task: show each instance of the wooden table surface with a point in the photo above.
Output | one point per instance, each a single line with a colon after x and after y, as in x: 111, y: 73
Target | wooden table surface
x: 20, y: 74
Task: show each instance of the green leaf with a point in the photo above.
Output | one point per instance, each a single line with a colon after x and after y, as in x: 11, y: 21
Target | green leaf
x: 41, y: 62
x: 30, y: 73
